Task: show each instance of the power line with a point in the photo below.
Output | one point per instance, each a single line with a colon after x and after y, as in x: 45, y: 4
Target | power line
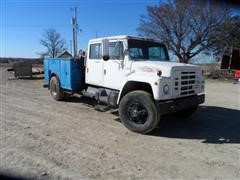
x: 33, y: 26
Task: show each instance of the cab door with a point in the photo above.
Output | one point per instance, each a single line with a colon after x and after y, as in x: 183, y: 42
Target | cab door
x: 94, y: 65
x: 113, y: 69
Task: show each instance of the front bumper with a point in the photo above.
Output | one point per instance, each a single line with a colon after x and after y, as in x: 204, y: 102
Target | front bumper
x: 175, y: 105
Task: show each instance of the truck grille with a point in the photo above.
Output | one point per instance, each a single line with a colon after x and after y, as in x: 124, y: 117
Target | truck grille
x: 184, y: 83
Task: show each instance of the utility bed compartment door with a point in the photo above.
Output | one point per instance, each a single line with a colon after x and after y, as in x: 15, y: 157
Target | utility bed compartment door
x: 65, y: 74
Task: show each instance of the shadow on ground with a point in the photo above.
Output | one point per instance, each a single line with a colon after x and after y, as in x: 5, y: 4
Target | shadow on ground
x: 83, y: 100
x: 25, y: 78
x: 31, y: 78
x: 210, y: 123
x: 12, y: 177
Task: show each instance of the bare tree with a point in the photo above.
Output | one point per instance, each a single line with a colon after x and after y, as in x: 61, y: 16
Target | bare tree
x: 187, y: 27
x: 53, y: 43
x: 228, y: 37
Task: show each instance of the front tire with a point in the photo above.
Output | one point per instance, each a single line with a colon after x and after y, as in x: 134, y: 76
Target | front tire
x: 55, y: 89
x: 138, y: 112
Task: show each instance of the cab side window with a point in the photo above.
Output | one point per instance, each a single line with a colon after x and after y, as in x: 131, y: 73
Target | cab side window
x: 116, y: 50
x: 95, y: 51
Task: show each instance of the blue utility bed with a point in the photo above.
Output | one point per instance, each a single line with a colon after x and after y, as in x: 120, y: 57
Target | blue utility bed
x: 69, y: 72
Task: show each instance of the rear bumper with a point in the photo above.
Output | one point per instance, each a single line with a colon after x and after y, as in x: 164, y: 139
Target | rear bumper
x: 175, y: 105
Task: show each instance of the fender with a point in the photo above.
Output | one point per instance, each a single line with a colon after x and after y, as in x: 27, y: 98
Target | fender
x: 153, y: 83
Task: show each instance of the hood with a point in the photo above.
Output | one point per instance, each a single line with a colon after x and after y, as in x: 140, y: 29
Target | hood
x: 152, y: 67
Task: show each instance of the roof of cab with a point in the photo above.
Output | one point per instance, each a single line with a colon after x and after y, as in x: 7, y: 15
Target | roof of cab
x: 122, y: 37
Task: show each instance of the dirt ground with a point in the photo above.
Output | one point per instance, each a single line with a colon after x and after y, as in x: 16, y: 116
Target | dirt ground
x: 45, y: 139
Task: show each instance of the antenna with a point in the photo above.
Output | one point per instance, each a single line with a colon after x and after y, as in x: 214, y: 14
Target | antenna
x: 75, y: 31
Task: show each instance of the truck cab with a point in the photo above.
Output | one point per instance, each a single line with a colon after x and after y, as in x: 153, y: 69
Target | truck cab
x: 140, y: 62
x: 136, y: 75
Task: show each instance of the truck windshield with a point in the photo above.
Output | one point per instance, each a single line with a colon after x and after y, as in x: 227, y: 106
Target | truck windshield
x: 146, y: 50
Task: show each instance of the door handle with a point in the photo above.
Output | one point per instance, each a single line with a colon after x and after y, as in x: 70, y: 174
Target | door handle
x: 104, y: 72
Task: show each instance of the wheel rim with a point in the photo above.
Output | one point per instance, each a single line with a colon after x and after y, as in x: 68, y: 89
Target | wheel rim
x: 137, y: 113
x: 54, y: 89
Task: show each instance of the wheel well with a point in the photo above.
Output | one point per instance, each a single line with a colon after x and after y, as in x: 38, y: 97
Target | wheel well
x: 134, y: 85
x: 52, y: 74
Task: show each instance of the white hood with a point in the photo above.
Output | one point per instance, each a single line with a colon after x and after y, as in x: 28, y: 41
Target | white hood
x: 152, y: 67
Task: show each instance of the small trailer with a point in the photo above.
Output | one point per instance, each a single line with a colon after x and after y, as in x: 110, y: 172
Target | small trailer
x: 133, y: 74
x: 22, y: 69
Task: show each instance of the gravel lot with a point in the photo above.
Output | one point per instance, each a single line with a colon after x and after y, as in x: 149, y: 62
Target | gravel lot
x: 45, y: 139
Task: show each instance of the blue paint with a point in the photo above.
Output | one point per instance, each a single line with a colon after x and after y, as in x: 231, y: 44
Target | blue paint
x: 68, y: 71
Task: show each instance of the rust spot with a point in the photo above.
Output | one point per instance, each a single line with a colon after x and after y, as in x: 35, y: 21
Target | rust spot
x: 149, y: 69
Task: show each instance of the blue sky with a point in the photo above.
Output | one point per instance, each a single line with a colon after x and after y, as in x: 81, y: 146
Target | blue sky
x: 24, y: 21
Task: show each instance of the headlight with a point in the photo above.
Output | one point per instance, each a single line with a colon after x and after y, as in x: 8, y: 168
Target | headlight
x: 166, y: 89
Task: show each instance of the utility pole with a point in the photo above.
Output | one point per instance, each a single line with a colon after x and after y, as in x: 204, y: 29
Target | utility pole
x: 70, y: 46
x: 230, y: 61
x: 75, y: 31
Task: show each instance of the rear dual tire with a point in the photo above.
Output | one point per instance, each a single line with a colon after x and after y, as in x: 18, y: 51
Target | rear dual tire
x: 138, y: 112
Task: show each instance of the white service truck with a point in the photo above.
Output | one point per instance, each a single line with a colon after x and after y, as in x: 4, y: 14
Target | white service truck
x: 133, y: 74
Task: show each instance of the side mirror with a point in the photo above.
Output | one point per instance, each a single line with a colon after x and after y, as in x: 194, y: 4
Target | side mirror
x: 106, y: 57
